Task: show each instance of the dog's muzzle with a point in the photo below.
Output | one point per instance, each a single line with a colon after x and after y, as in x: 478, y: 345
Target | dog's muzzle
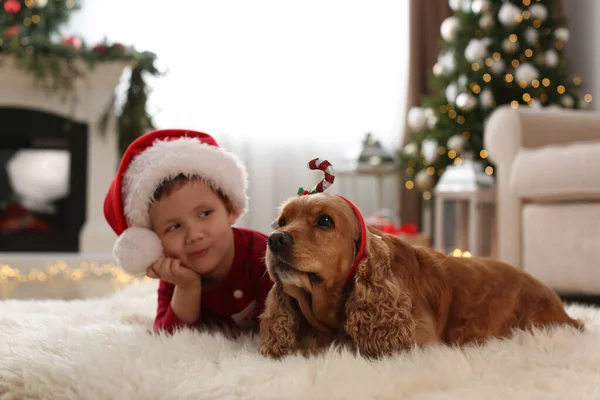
x: 280, y: 243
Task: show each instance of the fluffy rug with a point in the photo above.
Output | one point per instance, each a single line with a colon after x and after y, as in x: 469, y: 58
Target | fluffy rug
x: 100, y: 349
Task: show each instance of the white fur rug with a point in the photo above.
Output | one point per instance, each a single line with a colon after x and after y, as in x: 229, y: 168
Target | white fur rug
x: 100, y: 349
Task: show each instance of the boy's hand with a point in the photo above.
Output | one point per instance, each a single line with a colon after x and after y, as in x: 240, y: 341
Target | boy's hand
x: 170, y: 270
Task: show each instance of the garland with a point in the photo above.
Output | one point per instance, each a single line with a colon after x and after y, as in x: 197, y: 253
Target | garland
x: 55, y: 68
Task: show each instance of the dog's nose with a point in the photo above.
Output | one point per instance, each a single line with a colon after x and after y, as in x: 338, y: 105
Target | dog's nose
x: 280, y: 242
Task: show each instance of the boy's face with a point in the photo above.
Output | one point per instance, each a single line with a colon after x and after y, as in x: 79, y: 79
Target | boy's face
x: 194, y: 226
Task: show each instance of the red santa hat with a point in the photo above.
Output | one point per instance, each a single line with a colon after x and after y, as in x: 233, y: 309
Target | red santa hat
x: 148, y: 161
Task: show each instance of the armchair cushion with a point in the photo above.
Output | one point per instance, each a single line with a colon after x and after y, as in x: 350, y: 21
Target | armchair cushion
x: 567, y: 172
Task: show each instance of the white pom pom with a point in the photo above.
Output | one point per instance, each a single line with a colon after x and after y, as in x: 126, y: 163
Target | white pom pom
x: 136, y: 249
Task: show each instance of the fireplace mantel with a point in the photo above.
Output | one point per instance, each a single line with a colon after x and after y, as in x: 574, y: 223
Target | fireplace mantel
x: 94, y: 92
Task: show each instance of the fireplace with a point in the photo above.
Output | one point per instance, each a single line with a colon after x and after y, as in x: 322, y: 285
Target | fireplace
x: 43, y: 168
x: 40, y: 125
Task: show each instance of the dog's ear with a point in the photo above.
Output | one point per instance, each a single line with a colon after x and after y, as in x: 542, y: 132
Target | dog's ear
x: 279, y: 324
x: 378, y: 311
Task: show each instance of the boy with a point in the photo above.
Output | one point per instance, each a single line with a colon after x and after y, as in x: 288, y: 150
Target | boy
x: 173, y: 202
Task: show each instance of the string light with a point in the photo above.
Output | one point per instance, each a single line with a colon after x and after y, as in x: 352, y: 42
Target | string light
x: 460, y: 253
x: 483, y: 153
x: 588, y: 98
x: 409, y: 185
x: 514, y: 104
x: 60, y: 270
x: 427, y: 195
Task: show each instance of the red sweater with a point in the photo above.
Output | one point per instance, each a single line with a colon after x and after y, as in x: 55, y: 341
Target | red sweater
x: 238, y: 300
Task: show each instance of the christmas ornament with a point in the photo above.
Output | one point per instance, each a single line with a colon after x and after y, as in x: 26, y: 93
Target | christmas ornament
x: 11, y: 31
x: 466, y: 102
x: 12, y: 6
x: 462, y: 82
x: 456, y: 143
x: 448, y: 62
x: 73, y: 41
x: 486, y: 98
x: 538, y: 11
x: 526, y: 73
x: 510, y: 46
x: 429, y: 148
x: 411, y: 150
x: 551, y: 58
x: 479, y: 6
x: 328, y: 178
x: 432, y: 122
x: 567, y: 101
x: 498, y: 67
x: 460, y: 5
x: 40, y: 3
x: 476, y: 50
x: 562, y: 34
x: 451, y: 92
x: 583, y: 104
x: 423, y: 180
x: 509, y: 14
x: 429, y: 112
x: 531, y: 35
x: 486, y: 21
x: 416, y: 119
x: 455, y: 5
x: 449, y: 28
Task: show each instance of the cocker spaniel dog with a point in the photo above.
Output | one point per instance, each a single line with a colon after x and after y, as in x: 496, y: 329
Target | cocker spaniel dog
x: 338, y: 282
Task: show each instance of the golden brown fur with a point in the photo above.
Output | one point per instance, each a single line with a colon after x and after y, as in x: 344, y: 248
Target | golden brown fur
x: 400, y: 295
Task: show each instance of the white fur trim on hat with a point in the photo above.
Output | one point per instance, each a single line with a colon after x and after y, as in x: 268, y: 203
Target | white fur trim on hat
x: 166, y: 159
x: 136, y: 249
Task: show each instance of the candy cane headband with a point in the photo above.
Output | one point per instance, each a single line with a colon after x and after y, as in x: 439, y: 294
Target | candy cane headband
x: 328, y: 171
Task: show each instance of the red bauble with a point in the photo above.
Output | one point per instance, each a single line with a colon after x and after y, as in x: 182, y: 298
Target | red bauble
x: 73, y: 41
x: 100, y: 48
x: 12, y: 6
x: 11, y: 31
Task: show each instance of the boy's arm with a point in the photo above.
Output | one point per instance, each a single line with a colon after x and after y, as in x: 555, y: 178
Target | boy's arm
x: 177, y: 308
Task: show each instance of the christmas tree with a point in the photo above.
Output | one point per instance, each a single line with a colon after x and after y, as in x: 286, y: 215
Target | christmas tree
x: 493, y: 52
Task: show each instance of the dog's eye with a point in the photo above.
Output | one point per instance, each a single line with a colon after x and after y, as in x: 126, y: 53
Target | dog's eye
x: 314, y: 278
x: 281, y: 222
x: 325, y: 222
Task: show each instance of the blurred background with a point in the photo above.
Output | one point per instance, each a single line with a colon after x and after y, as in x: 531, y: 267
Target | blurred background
x: 466, y: 125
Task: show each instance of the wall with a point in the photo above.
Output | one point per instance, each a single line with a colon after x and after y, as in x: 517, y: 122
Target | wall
x: 582, y: 55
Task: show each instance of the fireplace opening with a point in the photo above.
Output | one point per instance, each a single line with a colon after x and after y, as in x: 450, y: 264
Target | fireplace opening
x: 43, y: 174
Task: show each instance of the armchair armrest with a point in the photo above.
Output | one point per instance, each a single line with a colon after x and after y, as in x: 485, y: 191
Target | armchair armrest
x: 507, y: 130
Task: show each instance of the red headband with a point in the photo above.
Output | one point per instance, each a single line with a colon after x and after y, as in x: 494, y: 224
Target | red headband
x: 327, y: 168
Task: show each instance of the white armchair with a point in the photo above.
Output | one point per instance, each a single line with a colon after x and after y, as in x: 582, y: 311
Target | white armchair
x: 548, y: 194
